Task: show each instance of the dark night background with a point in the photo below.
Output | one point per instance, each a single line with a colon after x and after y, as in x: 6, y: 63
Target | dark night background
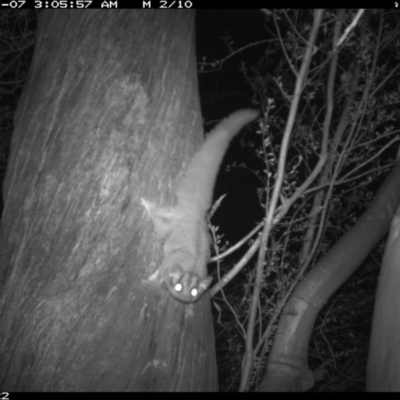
x: 222, y: 91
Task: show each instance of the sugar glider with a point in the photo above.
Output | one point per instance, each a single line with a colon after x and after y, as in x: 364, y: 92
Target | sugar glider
x: 182, y: 228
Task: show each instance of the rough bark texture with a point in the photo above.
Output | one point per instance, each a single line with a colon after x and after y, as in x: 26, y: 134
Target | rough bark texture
x: 287, y: 366
x: 103, y: 121
x: 383, y: 372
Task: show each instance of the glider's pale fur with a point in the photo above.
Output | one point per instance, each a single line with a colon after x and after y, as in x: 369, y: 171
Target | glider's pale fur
x: 182, y: 228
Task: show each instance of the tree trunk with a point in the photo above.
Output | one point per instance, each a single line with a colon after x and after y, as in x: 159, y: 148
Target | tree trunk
x: 287, y: 368
x: 103, y: 121
x: 383, y: 371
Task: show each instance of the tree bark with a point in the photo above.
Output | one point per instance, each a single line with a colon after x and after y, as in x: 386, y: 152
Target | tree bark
x: 102, y: 122
x: 287, y: 368
x: 383, y: 371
